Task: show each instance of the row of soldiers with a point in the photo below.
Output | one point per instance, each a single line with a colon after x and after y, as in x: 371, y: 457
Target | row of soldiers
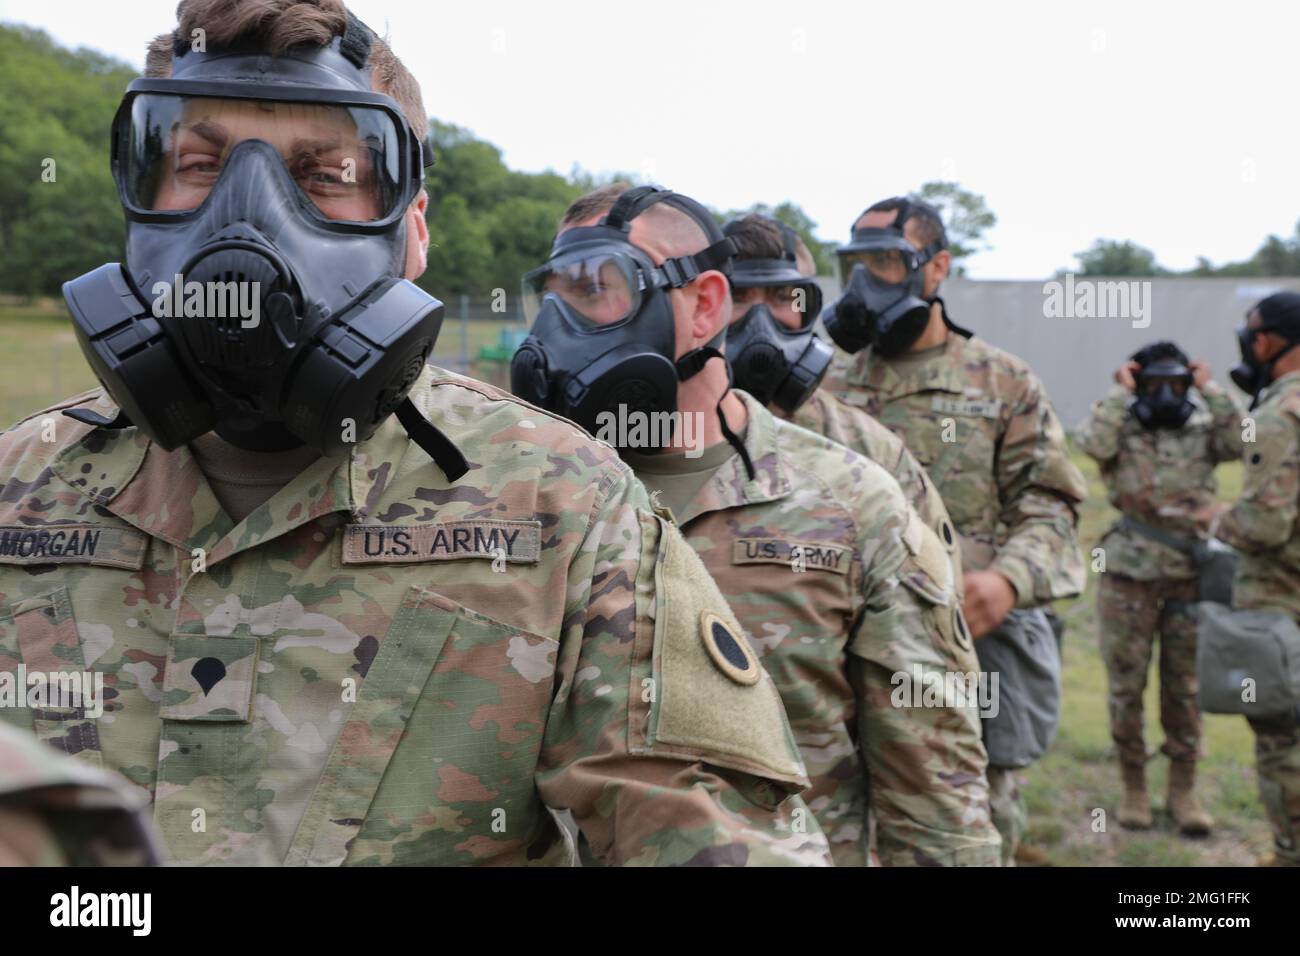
x: 482, y: 634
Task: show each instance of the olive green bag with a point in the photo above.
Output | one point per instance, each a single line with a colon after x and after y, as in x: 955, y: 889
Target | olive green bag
x: 1248, y: 661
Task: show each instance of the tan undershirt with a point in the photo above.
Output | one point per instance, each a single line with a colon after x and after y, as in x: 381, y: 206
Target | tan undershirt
x: 241, y: 479
x: 678, y: 479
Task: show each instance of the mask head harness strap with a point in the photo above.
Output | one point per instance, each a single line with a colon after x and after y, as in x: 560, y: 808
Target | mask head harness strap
x: 682, y: 271
x: 906, y: 209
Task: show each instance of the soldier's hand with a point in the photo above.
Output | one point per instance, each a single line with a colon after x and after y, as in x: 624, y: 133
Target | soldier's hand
x: 989, y: 598
x: 1124, y: 375
x: 1200, y: 373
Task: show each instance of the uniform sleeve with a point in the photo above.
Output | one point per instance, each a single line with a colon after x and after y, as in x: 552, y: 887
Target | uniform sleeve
x: 924, y: 754
x: 660, y: 757
x: 1098, y: 437
x: 1264, y: 516
x: 1038, y: 490
x: 1226, y: 442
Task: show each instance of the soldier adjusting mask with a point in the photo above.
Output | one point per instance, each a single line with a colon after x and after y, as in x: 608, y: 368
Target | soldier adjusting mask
x: 263, y: 292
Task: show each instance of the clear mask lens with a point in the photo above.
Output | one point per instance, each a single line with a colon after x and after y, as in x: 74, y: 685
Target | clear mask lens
x: 886, y: 265
x: 600, y: 289
x: 347, y: 160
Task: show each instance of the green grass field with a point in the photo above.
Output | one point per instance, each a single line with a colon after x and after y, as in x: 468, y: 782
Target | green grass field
x: 40, y: 363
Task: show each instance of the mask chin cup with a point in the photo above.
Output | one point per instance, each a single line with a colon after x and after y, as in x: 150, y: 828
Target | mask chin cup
x: 901, y: 325
x: 134, y: 360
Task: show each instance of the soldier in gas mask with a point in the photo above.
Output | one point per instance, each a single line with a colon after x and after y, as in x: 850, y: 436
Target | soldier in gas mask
x: 775, y: 354
x: 843, y: 591
x: 1264, y: 525
x: 348, y: 604
x: 1158, y: 437
x: 980, y: 422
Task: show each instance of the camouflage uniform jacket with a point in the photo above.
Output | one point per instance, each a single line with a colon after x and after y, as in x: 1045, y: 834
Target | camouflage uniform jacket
x: 874, y: 600
x: 57, y: 811
x: 853, y: 428
x: 980, y: 422
x: 1262, y: 525
x: 1161, y: 477
x: 381, y: 666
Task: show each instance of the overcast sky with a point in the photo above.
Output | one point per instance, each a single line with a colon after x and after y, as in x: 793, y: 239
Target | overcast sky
x: 1171, y: 124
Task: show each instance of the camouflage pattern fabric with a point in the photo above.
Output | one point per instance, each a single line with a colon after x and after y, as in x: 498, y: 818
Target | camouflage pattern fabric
x: 57, y: 811
x: 1008, y: 810
x: 1161, y: 477
x: 841, y: 588
x: 1262, y: 526
x: 980, y: 422
x: 1131, y: 614
x: 1262, y: 523
x: 853, y: 428
x: 381, y: 666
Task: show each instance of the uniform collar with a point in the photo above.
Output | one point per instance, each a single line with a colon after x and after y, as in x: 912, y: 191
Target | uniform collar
x: 165, y: 494
x: 730, y: 486
x: 1289, y: 381
x: 943, y: 373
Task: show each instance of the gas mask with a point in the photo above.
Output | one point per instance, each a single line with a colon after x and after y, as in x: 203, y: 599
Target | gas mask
x: 263, y: 294
x: 1251, y: 375
x: 602, y: 338
x: 1163, y: 398
x: 883, y: 304
x: 774, y: 363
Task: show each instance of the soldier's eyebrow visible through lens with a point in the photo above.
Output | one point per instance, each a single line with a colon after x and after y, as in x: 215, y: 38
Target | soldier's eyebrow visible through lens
x: 214, y: 133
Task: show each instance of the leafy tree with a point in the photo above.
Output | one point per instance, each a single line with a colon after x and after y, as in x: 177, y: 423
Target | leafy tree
x: 966, y: 217
x: 1109, y: 257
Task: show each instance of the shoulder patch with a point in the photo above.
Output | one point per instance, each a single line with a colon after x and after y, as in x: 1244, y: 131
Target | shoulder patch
x: 730, y: 652
x: 932, y: 560
x: 713, y: 700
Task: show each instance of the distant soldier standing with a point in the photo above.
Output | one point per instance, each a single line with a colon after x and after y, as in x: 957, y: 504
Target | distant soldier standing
x: 1262, y: 525
x: 980, y: 422
x: 1158, y: 437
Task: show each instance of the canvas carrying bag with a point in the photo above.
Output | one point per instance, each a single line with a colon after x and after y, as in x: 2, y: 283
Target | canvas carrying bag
x: 1025, y: 654
x: 1215, y: 562
x: 1248, y: 662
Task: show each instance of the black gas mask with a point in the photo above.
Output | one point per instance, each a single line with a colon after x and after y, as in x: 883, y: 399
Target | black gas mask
x: 1163, y: 395
x: 1280, y: 314
x: 263, y: 295
x: 774, y: 363
x: 883, y: 304
x: 602, y: 338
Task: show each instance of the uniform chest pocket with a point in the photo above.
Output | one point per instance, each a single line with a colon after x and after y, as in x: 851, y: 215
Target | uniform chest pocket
x: 958, y: 452
x: 43, y: 672
x: 290, y: 749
